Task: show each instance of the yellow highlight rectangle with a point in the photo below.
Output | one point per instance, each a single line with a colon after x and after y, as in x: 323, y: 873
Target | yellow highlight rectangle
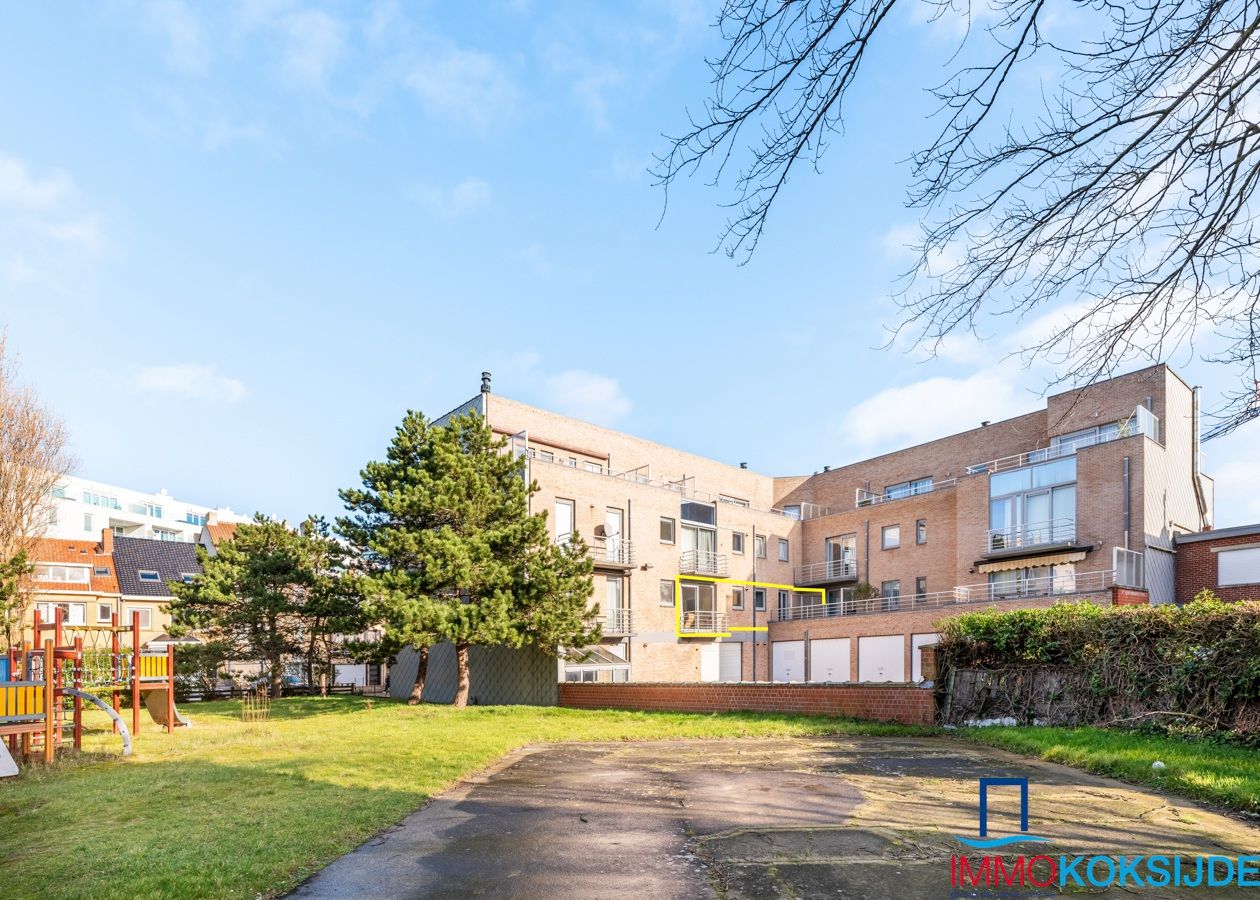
x: 678, y: 580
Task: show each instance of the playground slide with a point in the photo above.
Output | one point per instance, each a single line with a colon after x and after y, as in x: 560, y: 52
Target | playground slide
x: 155, y: 703
x: 8, y: 768
x: 97, y: 701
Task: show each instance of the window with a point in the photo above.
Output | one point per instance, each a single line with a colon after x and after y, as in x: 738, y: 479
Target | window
x: 733, y: 501
x: 890, y: 590
x: 785, y: 603
x: 920, y: 586
x: 793, y: 511
x: 593, y: 467
x: 890, y: 537
x: 761, y: 546
x: 737, y: 598
x: 101, y: 570
x: 71, y: 613
x: 564, y: 520
x: 908, y: 488
x: 737, y: 542
x: 163, y: 535
x: 93, y: 498
x: 572, y: 462
x: 920, y: 531
x: 783, y: 550
x: 667, y: 592
x: 759, y: 599
x: 700, y: 513
x: 146, y: 509
x: 59, y: 492
x: 148, y: 575
x: 1238, y: 566
x: 146, y: 615
x: 546, y: 456
x: 667, y: 530
x: 1086, y: 437
x: 187, y: 577
x: 193, y: 518
x: 87, y: 521
x: 104, y: 613
x: 62, y: 574
x: 1033, y: 505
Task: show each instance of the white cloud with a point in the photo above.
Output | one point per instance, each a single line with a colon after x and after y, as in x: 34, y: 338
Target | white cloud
x: 932, y: 408
x: 586, y: 395
x: 464, y: 85
x: 83, y: 231
x: 461, y: 199
x: 185, y: 45
x: 23, y: 190
x: 315, y: 41
x: 189, y: 380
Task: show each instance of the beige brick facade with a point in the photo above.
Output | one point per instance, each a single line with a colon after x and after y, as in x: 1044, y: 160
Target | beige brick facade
x: 1132, y: 490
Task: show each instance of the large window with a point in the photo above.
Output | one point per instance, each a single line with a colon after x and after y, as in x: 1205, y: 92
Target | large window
x: 1241, y: 566
x: 891, y: 592
x: 95, y: 498
x: 908, y: 488
x: 1033, y: 581
x: 890, y: 537
x: 841, y: 556
x: 1033, y: 505
x: 71, y: 613
x: 146, y: 615
x: 65, y: 574
x: 700, y: 513
x: 564, y: 520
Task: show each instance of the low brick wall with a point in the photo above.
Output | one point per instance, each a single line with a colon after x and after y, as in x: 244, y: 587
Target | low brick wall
x: 904, y: 703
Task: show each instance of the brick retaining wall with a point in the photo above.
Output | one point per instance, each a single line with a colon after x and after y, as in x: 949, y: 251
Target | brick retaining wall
x: 904, y: 703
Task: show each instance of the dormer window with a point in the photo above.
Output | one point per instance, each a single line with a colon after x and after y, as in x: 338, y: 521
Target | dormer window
x: 148, y: 575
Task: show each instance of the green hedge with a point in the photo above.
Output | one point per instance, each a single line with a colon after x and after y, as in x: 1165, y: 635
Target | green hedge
x: 1201, y: 660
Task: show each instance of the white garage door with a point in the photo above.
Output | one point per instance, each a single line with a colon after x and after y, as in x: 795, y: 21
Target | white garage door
x: 350, y: 674
x: 731, y: 661
x: 709, y: 663
x: 916, y: 658
x: 882, y: 658
x: 787, y: 660
x: 829, y: 659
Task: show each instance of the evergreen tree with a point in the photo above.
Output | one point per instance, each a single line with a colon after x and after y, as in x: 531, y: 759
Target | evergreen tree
x: 268, y: 593
x: 451, y: 552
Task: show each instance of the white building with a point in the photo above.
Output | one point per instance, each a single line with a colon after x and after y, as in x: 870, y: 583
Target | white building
x: 81, y: 508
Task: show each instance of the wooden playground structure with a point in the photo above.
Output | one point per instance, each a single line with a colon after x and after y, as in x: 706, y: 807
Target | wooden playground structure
x: 43, y: 700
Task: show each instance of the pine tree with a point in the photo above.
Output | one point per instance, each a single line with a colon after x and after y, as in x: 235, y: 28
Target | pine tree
x: 452, y: 553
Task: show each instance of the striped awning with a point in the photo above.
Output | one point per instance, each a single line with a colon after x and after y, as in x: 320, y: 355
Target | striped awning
x: 1052, y: 559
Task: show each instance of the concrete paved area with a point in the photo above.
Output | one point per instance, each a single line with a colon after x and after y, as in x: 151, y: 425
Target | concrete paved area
x: 802, y: 818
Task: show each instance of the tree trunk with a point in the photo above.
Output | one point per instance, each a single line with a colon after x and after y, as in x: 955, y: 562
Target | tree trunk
x: 461, y: 665
x: 277, y: 676
x: 422, y: 670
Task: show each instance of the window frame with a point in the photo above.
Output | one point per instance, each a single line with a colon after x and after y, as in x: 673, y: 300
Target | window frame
x: 571, y: 505
x: 759, y: 599
x: 920, y: 532
x: 759, y: 546
x: 667, y: 588
x: 785, y: 550
x: 142, y: 573
x: 109, y: 613
x: 145, y: 611
x: 673, y: 530
x: 884, y: 531
x: 737, y: 597
x: 740, y: 537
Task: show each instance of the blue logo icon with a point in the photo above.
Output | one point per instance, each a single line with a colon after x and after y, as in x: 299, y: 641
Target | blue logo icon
x: 1023, y: 836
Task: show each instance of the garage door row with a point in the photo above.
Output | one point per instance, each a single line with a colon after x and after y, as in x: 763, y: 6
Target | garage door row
x: 879, y: 658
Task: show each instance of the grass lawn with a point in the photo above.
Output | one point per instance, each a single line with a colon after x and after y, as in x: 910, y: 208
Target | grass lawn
x: 228, y: 809
x: 1216, y: 773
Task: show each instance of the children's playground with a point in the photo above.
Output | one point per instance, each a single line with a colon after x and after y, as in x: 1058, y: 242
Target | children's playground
x: 65, y: 668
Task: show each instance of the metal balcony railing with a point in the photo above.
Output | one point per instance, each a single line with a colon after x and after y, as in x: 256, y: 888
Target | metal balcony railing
x: 615, y: 622
x: 824, y: 572
x: 702, y: 621
x: 863, y: 497
x: 1021, y: 589
x: 1143, y: 421
x: 704, y: 562
x: 1035, y: 534
x: 612, y: 551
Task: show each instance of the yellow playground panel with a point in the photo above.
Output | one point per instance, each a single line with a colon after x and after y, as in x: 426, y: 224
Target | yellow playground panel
x: 678, y: 610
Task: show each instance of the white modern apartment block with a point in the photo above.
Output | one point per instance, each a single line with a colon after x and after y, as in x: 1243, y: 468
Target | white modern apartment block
x: 81, y: 508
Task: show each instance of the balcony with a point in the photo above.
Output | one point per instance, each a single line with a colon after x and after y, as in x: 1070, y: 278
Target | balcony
x: 863, y: 497
x: 702, y: 621
x: 828, y: 572
x: 615, y: 623
x: 1016, y: 539
x: 1142, y: 421
x: 616, y: 553
x: 704, y: 562
x: 1025, y: 589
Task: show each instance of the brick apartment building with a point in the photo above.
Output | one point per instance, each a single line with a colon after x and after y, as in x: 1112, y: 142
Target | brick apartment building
x: 1081, y: 499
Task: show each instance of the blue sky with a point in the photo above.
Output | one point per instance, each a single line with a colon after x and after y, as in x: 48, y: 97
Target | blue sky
x: 238, y: 240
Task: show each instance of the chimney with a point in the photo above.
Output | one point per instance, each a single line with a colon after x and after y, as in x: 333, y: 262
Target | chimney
x: 743, y: 465
x: 485, y: 382
x: 212, y: 518
x: 107, y: 540
x: 826, y: 468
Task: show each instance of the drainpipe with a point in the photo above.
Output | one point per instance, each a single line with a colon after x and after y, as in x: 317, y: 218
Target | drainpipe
x: 754, y: 603
x: 1199, y: 499
x: 1127, y: 508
